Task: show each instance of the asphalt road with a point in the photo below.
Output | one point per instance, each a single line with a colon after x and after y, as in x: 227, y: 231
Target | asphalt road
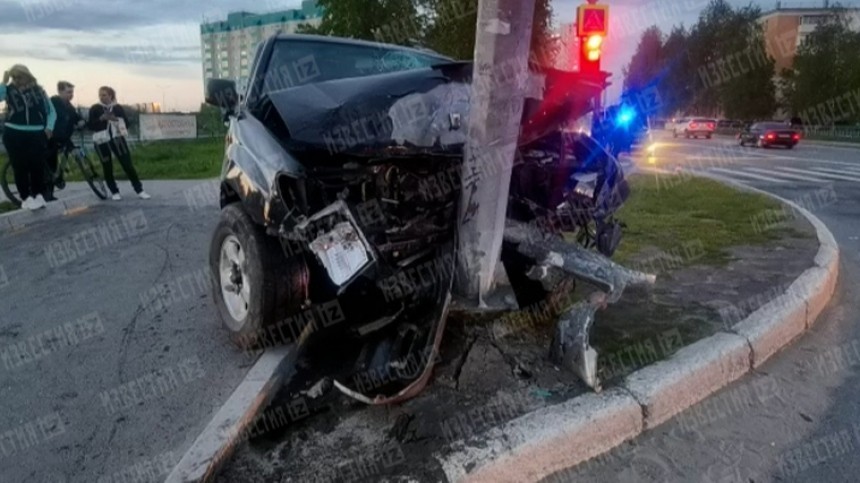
x: 111, y: 361
x: 798, y: 417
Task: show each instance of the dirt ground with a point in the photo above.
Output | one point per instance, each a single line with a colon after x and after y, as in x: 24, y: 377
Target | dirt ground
x: 495, y: 370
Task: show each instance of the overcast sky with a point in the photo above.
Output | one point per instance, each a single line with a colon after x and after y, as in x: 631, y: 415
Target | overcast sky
x: 150, y: 49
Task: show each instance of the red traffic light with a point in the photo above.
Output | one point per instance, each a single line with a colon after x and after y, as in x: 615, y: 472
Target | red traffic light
x: 591, y: 47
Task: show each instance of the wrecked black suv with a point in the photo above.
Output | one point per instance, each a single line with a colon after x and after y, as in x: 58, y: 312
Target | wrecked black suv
x: 339, y: 201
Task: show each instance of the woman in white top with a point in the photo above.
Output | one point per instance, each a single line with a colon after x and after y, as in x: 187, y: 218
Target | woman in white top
x: 109, y: 124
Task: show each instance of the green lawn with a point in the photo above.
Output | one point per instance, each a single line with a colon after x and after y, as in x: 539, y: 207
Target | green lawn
x: 192, y: 159
x: 668, y: 212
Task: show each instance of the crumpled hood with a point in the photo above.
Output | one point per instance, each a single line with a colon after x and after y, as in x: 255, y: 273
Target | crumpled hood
x: 416, y: 111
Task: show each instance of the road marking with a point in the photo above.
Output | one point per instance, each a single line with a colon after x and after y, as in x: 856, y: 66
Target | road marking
x: 748, y: 175
x: 813, y: 160
x: 823, y: 175
x: 787, y: 175
x: 840, y: 170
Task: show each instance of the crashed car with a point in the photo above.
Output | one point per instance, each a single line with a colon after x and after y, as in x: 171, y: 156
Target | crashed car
x: 339, y: 201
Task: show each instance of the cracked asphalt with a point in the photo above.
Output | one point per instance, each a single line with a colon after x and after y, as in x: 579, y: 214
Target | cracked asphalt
x: 111, y: 360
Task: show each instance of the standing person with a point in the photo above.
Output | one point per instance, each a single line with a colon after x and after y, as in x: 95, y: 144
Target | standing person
x: 68, y: 120
x: 29, y: 124
x: 109, y: 123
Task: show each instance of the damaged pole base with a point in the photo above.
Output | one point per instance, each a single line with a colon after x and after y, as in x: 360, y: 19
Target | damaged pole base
x: 500, y: 299
x: 570, y: 347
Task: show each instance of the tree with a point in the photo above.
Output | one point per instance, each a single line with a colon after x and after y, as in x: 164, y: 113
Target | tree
x: 748, y: 92
x: 365, y: 19
x: 676, y: 87
x: 647, y: 63
x: 826, y: 70
x: 446, y: 26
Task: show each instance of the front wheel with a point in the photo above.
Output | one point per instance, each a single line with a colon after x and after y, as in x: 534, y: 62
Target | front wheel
x: 7, y: 182
x: 254, y: 284
x: 92, y: 175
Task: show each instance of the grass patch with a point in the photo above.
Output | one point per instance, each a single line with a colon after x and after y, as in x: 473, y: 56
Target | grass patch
x: 667, y: 213
x: 179, y: 159
x: 185, y: 159
x: 6, y: 207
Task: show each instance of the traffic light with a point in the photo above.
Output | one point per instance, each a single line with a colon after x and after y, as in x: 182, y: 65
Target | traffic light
x: 592, y: 27
x: 590, y: 54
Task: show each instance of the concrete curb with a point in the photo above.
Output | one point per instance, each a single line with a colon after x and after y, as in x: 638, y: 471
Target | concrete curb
x: 20, y: 219
x: 539, y: 444
x: 230, y: 424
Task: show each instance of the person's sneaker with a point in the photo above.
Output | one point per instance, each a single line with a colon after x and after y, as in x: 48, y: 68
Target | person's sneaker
x: 50, y: 197
x: 144, y: 195
x: 27, y: 203
x: 116, y: 197
x: 38, y: 203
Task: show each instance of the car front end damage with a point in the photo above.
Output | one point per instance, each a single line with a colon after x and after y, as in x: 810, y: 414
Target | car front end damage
x: 360, y: 181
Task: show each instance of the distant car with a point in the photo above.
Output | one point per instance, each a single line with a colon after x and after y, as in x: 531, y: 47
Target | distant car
x: 767, y: 134
x: 693, y: 127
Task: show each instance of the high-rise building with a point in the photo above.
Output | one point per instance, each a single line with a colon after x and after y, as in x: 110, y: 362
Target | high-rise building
x: 228, y: 46
x: 790, y: 23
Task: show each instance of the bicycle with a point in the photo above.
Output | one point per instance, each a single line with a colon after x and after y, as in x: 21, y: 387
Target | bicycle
x: 71, y: 152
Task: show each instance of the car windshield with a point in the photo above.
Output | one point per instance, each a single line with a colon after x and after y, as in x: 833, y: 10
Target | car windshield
x: 299, y: 62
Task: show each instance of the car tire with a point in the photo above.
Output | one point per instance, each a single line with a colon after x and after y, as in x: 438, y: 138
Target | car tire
x: 707, y: 136
x: 790, y: 146
x: 270, y: 285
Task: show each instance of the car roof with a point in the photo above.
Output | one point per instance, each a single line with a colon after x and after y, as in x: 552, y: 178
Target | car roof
x: 364, y: 43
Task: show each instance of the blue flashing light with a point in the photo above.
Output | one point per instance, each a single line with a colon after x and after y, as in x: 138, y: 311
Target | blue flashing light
x: 626, y: 116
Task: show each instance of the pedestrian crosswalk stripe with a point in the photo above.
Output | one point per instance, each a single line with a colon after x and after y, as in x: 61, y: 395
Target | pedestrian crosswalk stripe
x: 842, y: 171
x: 748, y: 175
x: 809, y: 179
x: 823, y: 175
x: 813, y: 160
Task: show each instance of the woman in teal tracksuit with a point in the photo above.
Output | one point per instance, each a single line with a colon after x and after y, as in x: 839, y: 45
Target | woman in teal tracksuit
x: 29, y: 124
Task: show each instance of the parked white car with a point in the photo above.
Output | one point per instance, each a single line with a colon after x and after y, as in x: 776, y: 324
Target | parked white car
x: 693, y: 127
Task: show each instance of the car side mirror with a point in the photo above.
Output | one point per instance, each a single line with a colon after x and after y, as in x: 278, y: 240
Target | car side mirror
x: 222, y: 93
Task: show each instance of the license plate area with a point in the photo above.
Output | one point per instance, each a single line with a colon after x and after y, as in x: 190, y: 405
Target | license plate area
x: 334, y: 237
x: 341, y: 252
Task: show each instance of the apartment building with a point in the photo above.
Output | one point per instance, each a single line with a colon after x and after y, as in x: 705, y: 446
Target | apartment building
x: 228, y: 46
x: 790, y: 23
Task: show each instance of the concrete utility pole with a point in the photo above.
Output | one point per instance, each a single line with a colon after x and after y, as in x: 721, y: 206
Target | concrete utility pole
x: 499, y: 81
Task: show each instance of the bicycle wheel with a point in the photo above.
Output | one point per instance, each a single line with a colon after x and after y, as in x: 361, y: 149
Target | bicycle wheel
x: 7, y: 182
x: 92, y: 174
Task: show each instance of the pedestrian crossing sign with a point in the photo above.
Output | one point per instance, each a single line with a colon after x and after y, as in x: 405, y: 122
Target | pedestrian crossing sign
x: 592, y: 20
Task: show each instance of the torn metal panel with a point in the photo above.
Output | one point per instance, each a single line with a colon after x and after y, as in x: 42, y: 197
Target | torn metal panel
x: 570, y: 346
x: 586, y: 265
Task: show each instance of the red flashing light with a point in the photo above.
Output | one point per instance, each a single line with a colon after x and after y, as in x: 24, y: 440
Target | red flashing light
x: 796, y: 137
x: 694, y: 125
x: 770, y: 136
